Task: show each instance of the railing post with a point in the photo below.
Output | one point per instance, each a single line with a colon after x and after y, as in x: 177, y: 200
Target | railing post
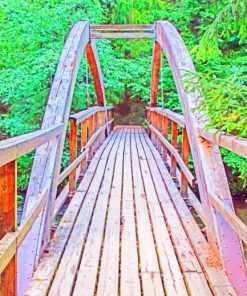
x: 72, y: 154
x: 83, y: 143
x: 185, y: 157
x: 165, y: 133
x: 174, y: 144
x: 90, y: 133
x: 8, y: 193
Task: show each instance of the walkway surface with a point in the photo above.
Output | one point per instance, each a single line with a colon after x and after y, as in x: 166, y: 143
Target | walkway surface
x: 127, y: 231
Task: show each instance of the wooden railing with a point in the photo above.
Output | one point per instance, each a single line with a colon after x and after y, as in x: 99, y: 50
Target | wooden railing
x: 96, y: 123
x: 12, y: 236
x: 158, y: 120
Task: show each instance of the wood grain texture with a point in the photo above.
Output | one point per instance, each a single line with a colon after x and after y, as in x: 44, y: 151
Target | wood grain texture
x: 8, y: 195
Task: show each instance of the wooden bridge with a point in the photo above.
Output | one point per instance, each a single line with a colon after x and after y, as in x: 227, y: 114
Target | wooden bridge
x: 129, y: 226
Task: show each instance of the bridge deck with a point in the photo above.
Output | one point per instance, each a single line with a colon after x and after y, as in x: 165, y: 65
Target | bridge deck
x: 123, y: 233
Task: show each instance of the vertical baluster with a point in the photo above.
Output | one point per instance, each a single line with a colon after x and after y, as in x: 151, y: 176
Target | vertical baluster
x: 185, y: 157
x: 165, y: 133
x: 90, y: 133
x: 83, y: 143
x: 95, y: 130
x: 174, y: 144
x: 8, y: 195
x: 72, y: 154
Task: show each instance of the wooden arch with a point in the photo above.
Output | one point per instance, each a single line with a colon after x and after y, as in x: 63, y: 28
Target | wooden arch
x: 210, y: 173
x: 47, y: 161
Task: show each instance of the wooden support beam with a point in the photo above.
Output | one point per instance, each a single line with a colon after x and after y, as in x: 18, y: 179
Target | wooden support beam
x: 121, y: 35
x: 165, y: 134
x: 83, y: 143
x: 8, y: 195
x: 185, y: 157
x: 125, y: 27
x: 174, y: 144
x: 155, y: 74
x: 94, y: 65
x: 72, y: 155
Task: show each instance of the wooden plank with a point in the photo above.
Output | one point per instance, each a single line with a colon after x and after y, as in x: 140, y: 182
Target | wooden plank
x: 124, y: 35
x: 217, y: 278
x: 47, y: 161
x: 87, y: 273
x: 185, y: 253
x: 125, y: 27
x: 129, y: 279
x: 230, y: 142
x: 149, y: 267
x: 13, y: 148
x: 172, y: 275
x: 8, y: 195
x: 175, y: 153
x: 108, y: 281
x: 45, y: 273
x: 230, y: 217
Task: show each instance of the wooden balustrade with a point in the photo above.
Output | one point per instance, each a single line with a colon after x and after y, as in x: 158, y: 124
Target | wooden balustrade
x: 158, y: 120
x: 11, y: 236
x: 213, y: 137
x: 94, y: 122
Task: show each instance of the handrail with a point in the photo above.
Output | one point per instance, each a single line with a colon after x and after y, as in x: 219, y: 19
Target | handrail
x: 179, y: 119
x: 82, y: 115
x: 12, y: 240
x: 231, y: 218
x: 227, y: 141
x: 13, y: 148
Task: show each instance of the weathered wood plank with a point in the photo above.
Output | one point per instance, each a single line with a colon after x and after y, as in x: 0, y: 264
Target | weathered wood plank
x: 108, y: 281
x: 87, y: 273
x: 185, y: 253
x: 129, y: 279
x: 149, y: 267
x: 155, y: 74
x: 172, y: 275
